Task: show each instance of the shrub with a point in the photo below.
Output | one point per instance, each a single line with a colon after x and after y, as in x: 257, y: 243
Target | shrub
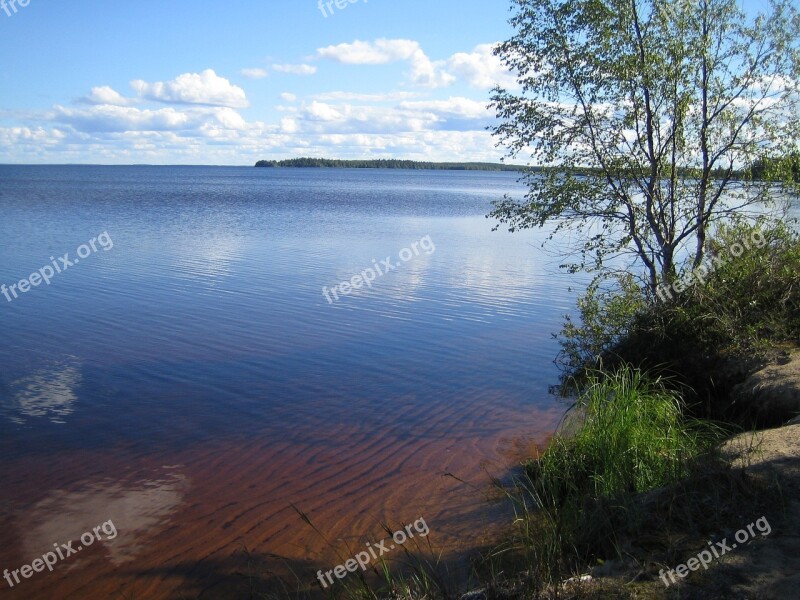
x: 746, y: 305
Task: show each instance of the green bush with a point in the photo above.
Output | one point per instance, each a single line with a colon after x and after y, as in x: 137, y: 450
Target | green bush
x: 752, y: 300
x: 744, y: 307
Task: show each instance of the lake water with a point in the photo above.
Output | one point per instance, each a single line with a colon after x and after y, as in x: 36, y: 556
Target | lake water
x: 187, y: 379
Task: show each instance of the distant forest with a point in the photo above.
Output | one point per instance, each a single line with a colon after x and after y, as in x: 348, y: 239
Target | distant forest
x: 760, y: 169
x: 387, y: 164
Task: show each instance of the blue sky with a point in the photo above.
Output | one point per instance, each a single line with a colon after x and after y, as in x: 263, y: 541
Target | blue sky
x: 202, y: 82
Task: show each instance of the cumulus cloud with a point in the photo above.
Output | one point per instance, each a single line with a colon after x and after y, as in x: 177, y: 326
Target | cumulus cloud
x: 481, y: 68
x: 289, y: 125
x: 194, y: 117
x: 205, y: 88
x: 379, y: 52
x: 423, y: 72
x: 357, y: 97
x: 319, y: 111
x: 108, y: 118
x: 254, y: 73
x: 106, y: 95
x: 453, y: 114
x: 301, y: 69
x: 210, y: 144
x: 457, y: 106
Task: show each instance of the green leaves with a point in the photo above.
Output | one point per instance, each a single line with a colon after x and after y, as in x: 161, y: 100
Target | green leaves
x: 647, y: 109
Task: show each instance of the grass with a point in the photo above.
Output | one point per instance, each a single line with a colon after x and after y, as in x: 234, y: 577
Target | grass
x: 579, y: 500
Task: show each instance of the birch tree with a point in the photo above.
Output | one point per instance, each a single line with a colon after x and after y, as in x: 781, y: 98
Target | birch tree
x: 648, y: 111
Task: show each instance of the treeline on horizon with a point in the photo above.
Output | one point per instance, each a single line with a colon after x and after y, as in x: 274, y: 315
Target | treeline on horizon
x: 760, y: 169
x: 387, y: 163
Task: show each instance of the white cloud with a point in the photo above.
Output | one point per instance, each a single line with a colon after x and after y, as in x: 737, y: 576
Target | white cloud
x: 254, y: 73
x: 107, y: 119
x: 106, y: 95
x: 379, y: 52
x: 301, y: 69
x: 481, y: 68
x: 301, y: 119
x: 210, y: 144
x: 13, y: 136
x: 289, y: 125
x: 201, y: 122
x: 456, y: 106
x: 453, y: 114
x: 353, y: 96
x: 424, y: 72
x: 205, y: 88
x: 319, y: 111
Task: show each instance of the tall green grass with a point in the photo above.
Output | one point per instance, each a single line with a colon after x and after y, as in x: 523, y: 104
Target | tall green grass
x: 631, y: 437
x: 627, y: 434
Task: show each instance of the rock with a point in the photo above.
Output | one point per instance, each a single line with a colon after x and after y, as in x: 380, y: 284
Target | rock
x: 579, y: 579
x: 771, y: 395
x: 475, y: 595
x: 764, y: 451
x: 770, y: 566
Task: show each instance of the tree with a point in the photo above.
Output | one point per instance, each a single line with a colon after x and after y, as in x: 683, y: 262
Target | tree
x: 770, y: 168
x: 648, y: 109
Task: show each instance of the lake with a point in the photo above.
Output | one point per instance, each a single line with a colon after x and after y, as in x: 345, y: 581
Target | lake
x: 188, y: 375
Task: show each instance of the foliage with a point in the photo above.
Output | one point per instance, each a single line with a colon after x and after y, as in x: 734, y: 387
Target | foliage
x: 752, y: 300
x: 777, y: 168
x: 386, y: 164
x: 747, y: 304
x: 607, y: 311
x: 628, y: 436
x: 661, y: 102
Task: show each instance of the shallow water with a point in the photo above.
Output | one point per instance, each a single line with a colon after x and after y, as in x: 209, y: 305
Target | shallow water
x: 192, y: 382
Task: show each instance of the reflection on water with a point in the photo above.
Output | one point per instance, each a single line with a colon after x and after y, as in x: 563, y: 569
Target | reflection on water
x: 49, y: 393
x: 204, y: 340
x: 137, y: 511
x: 205, y: 260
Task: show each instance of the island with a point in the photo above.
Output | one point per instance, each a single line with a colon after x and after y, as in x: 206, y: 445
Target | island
x: 382, y: 163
